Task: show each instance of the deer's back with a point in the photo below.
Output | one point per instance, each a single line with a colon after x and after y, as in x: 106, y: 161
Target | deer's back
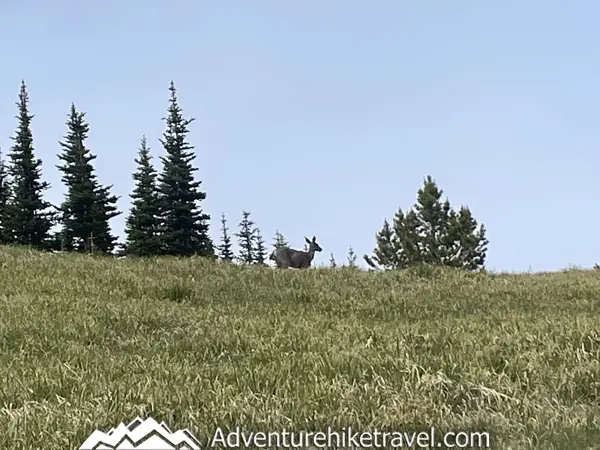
x: 295, y: 258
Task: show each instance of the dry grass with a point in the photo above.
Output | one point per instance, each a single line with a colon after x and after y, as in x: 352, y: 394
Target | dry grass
x: 87, y: 343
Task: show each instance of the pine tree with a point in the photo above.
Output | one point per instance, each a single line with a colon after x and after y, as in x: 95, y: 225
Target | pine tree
x: 406, y: 239
x: 279, y: 240
x: 433, y: 221
x: 468, y: 240
x: 351, y: 258
x: 246, y: 238
x: 260, y: 251
x: 26, y: 217
x: 385, y: 253
x: 185, y: 225
x: 4, y: 196
x: 225, y: 251
x: 432, y: 233
x: 142, y: 225
x: 88, y: 206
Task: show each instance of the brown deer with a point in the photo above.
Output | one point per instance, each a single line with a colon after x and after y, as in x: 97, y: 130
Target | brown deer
x: 286, y: 257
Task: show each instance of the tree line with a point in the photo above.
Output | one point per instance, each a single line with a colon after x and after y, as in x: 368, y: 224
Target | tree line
x: 166, y: 216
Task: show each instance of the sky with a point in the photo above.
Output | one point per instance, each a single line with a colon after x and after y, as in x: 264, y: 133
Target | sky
x: 323, y: 118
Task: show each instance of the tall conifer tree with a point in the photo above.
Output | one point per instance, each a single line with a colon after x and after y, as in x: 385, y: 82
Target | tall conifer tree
x: 4, y: 194
x: 88, y: 206
x: 27, y: 219
x: 184, y: 225
x: 143, y: 223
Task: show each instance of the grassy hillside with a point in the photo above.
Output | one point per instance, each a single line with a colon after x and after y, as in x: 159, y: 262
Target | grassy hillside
x: 87, y: 343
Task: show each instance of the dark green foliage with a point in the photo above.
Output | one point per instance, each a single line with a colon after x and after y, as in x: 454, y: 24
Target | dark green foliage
x: 88, y: 206
x: 279, y: 240
x: 4, y: 195
x: 386, y: 252
x: 469, y: 241
x: 225, y: 248
x: 143, y: 223
x: 432, y: 222
x: 430, y: 233
x: 246, y: 238
x: 184, y: 225
x: 260, y: 251
x: 27, y: 220
x: 406, y: 240
x: 55, y: 242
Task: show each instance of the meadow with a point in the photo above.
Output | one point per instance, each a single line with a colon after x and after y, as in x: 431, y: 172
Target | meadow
x: 89, y: 342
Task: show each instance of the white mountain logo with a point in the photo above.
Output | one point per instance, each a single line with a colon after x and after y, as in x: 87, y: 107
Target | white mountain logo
x: 141, y: 435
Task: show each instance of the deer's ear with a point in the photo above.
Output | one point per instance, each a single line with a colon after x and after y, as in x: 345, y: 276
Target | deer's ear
x: 306, y: 239
x: 314, y: 239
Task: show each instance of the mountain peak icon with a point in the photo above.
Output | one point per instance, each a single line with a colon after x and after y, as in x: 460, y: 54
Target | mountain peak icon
x: 141, y: 434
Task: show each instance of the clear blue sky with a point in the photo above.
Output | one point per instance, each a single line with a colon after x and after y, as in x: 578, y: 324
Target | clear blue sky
x: 323, y: 117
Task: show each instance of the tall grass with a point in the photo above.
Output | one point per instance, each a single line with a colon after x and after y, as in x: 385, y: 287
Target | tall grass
x: 88, y: 342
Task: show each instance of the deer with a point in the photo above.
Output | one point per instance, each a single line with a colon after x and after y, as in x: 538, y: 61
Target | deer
x: 286, y: 257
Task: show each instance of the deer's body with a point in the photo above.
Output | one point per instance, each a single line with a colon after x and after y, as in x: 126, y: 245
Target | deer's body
x: 286, y: 257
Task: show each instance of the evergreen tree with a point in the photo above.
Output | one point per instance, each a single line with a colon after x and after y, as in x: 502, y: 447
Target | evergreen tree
x: 246, y: 238
x: 433, y: 220
x: 406, y: 239
x: 468, y: 241
x: 185, y: 225
x: 332, y: 262
x: 385, y: 253
x: 4, y: 195
x: 351, y: 258
x: 279, y: 240
x: 142, y: 225
x: 88, y: 206
x: 260, y: 251
x: 431, y: 233
x: 26, y: 217
x: 225, y: 251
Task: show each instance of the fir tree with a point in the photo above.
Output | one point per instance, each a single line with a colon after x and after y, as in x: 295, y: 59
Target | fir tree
x: 260, y: 251
x: 142, y: 225
x: 225, y: 251
x: 246, y: 238
x: 26, y: 217
x: 88, y: 206
x: 185, y: 225
x: 279, y: 241
x: 4, y: 196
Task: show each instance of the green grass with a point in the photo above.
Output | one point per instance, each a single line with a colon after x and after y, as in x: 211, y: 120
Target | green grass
x: 88, y: 342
